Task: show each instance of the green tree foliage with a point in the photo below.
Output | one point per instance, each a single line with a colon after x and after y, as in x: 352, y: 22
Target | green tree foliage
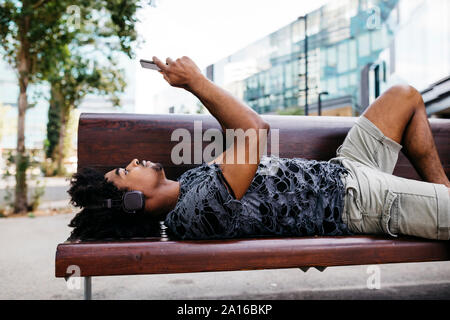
x: 88, y: 65
x: 53, y: 127
x: 35, y: 35
x: 71, y: 81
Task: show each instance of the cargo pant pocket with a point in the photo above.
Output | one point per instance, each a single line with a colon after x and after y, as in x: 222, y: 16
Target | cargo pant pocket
x: 390, y: 214
x: 353, y: 216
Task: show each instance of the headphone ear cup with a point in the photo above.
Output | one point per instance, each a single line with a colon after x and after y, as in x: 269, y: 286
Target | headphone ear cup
x: 133, y: 201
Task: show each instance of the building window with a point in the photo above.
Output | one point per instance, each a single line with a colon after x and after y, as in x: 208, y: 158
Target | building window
x: 343, y: 82
x: 266, y: 82
x: 353, y: 55
x: 364, y: 45
x: 343, y: 57
x: 331, y: 85
x: 353, y: 79
x: 377, y: 39
x: 331, y: 56
x: 288, y: 75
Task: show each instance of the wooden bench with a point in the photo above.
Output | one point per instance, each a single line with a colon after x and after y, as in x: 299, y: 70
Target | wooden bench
x: 107, y: 141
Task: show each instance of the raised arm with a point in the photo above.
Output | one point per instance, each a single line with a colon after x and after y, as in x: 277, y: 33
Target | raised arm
x: 231, y: 114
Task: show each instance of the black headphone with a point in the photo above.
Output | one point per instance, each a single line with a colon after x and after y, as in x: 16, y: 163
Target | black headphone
x: 131, y: 202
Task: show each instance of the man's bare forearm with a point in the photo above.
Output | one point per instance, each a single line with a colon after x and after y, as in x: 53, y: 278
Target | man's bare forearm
x: 228, y: 110
x: 231, y: 112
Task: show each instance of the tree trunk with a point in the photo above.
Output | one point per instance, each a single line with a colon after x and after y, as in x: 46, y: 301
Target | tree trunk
x: 62, y: 135
x: 24, y: 67
x: 21, y: 202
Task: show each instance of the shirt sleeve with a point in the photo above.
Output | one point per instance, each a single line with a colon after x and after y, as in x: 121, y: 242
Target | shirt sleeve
x: 206, y: 209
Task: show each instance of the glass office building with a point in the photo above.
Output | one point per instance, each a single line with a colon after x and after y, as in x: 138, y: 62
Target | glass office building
x: 419, y: 54
x: 345, y: 42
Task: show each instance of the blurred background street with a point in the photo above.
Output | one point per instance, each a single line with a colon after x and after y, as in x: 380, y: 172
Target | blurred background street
x: 55, y: 192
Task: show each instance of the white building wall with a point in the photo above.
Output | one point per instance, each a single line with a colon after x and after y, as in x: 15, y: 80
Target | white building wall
x: 422, y: 44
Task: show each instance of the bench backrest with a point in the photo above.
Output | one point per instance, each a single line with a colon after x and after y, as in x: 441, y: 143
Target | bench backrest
x: 107, y: 141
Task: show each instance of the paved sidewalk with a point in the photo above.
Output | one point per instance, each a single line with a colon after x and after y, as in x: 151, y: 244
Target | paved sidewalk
x: 28, y: 245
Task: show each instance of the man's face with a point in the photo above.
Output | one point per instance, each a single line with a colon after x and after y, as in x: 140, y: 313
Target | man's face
x: 144, y: 176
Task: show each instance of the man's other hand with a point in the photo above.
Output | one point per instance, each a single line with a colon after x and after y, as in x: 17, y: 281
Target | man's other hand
x: 181, y: 73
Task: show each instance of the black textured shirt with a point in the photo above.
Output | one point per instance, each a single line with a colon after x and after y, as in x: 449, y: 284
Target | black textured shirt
x: 287, y: 197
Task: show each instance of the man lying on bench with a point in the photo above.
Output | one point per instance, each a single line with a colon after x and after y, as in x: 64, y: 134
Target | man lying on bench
x: 231, y: 197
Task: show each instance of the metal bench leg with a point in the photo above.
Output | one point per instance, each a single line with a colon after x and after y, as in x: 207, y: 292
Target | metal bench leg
x: 87, y: 288
x: 304, y: 269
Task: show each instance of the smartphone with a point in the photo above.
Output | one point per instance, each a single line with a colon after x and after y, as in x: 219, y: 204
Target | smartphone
x: 149, y: 64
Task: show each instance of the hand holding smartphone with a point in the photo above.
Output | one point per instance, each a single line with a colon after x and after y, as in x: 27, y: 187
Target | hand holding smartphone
x: 181, y: 73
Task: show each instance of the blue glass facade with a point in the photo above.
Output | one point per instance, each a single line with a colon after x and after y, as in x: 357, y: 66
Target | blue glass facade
x: 342, y: 38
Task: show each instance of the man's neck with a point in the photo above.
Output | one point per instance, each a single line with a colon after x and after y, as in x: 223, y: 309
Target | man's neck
x: 167, y: 196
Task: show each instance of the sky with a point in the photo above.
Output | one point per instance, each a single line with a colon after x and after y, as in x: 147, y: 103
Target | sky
x: 206, y: 31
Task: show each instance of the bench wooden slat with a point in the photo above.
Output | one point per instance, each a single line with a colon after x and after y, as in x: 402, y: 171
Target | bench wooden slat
x: 163, y: 257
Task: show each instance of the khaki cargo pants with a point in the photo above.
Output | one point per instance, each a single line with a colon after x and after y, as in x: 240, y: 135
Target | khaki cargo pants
x: 376, y: 202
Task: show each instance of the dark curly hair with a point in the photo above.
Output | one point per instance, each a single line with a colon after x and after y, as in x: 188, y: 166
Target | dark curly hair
x: 89, y: 187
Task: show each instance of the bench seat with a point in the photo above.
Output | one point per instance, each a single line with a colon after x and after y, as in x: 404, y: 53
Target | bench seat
x: 107, y: 141
x: 152, y: 256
